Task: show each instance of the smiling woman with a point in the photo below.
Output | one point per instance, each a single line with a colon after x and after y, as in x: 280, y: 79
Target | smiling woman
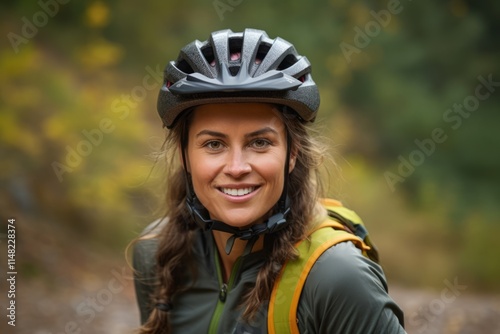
x: 243, y: 193
x: 239, y: 152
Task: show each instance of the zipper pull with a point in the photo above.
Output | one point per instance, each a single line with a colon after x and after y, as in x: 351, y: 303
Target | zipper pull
x: 223, y: 293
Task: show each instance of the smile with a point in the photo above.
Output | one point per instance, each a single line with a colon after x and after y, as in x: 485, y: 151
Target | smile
x: 237, y: 192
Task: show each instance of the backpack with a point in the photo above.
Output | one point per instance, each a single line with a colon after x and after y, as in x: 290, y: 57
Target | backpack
x: 342, y: 225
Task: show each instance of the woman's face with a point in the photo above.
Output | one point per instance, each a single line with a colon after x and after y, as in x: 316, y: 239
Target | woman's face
x: 236, y: 155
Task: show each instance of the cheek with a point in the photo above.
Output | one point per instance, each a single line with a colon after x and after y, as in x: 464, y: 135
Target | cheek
x: 203, y: 172
x: 272, y: 170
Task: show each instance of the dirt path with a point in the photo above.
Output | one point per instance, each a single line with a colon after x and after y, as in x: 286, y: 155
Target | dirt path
x: 452, y: 310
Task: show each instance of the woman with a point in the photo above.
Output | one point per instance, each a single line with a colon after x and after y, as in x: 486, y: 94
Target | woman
x: 242, y: 191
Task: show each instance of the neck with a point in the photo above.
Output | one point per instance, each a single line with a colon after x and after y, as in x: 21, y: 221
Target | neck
x: 228, y: 260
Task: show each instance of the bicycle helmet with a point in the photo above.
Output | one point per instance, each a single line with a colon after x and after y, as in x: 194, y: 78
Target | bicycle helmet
x: 238, y: 67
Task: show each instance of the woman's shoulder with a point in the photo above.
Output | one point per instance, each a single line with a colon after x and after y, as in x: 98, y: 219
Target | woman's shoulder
x: 344, y: 270
x: 144, y: 262
x: 144, y: 248
x: 153, y: 229
x: 341, y: 281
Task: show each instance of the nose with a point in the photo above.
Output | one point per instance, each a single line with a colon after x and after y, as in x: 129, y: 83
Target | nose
x: 237, y: 164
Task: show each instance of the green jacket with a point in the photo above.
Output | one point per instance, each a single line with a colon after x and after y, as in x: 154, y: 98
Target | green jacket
x: 344, y: 293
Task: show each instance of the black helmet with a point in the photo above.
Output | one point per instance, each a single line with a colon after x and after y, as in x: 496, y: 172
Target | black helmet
x: 238, y: 67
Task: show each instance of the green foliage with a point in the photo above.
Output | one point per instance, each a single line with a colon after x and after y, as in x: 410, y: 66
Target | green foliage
x: 431, y: 61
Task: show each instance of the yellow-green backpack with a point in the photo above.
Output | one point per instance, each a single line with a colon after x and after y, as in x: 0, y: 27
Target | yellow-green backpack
x: 342, y: 225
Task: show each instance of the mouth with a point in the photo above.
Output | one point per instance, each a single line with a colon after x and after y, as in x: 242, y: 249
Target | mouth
x: 238, y: 191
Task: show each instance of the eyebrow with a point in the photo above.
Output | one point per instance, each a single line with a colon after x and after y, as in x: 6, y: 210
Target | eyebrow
x: 248, y: 135
x: 262, y: 132
x: 210, y: 133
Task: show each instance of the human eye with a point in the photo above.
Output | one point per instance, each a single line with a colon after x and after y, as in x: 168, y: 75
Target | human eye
x: 260, y: 143
x: 213, y: 145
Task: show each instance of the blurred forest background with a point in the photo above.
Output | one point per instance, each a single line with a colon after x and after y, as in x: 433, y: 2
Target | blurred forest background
x: 410, y: 100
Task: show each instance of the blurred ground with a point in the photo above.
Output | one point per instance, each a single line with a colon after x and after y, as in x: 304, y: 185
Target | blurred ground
x: 426, y: 311
x: 94, y: 292
x: 66, y: 285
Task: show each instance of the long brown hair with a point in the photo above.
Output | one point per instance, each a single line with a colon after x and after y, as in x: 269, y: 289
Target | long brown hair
x: 172, y: 254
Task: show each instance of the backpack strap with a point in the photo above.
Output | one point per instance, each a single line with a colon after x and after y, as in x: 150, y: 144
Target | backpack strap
x: 283, y: 319
x: 339, y: 227
x: 352, y: 223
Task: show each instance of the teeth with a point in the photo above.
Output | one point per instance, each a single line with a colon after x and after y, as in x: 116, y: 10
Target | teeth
x: 238, y: 192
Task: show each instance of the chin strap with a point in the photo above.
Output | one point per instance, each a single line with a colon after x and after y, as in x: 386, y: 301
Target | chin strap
x: 202, y: 218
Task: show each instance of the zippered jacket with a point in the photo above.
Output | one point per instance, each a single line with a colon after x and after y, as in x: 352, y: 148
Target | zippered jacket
x: 344, y: 293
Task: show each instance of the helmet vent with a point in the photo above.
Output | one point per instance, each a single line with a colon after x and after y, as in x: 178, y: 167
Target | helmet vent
x: 261, y: 53
x: 234, y: 70
x: 287, y: 62
x: 208, y: 53
x: 235, y: 46
x: 185, y: 67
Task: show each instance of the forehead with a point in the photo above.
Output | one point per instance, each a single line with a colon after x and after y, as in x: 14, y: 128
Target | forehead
x: 236, y: 116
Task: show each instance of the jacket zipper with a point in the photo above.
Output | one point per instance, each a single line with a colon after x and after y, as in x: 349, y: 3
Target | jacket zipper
x: 224, y: 290
x: 223, y: 293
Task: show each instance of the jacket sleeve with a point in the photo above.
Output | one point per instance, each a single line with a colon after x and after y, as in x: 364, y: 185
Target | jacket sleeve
x: 347, y: 293
x: 144, y: 275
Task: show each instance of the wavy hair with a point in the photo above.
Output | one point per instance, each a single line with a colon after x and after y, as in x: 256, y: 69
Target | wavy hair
x: 304, y: 188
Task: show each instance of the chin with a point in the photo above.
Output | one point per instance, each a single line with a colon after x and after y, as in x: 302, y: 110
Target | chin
x: 239, y: 223
x: 240, y: 220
